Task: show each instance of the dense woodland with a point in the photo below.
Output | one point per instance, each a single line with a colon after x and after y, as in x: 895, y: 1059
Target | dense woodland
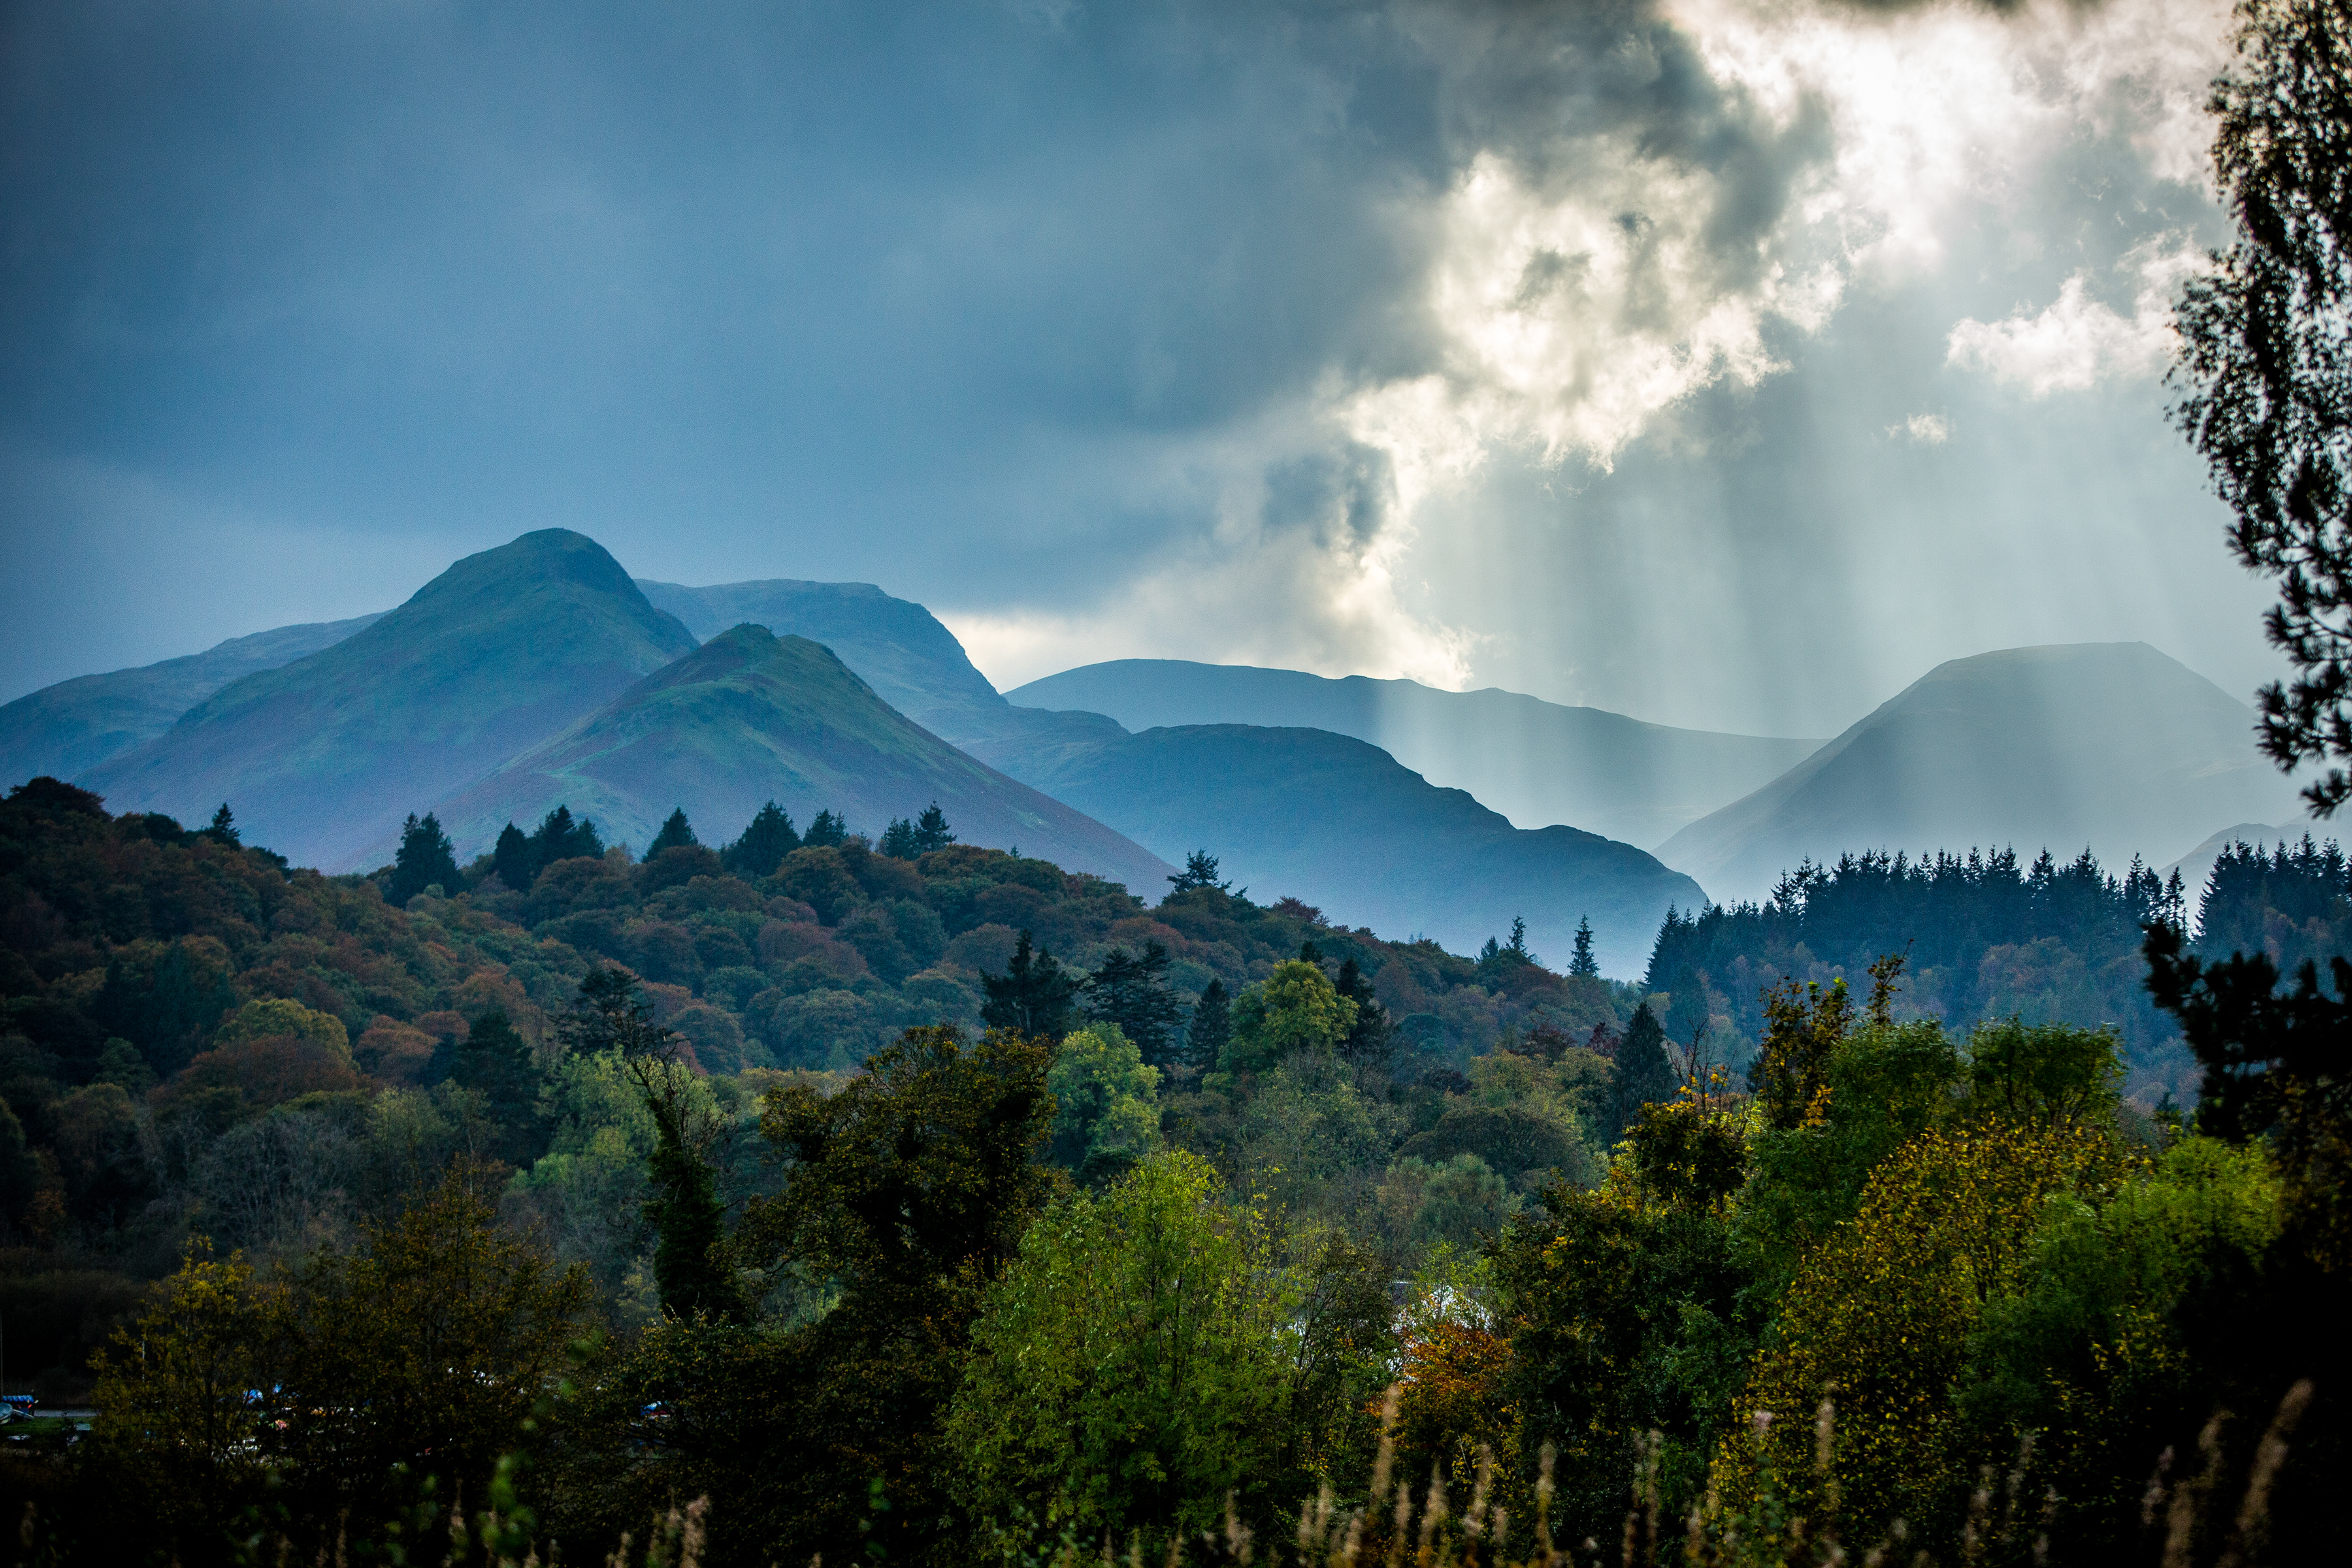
x: 901, y: 1199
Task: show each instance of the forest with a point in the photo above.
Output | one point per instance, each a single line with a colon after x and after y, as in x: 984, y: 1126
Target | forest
x: 907, y: 1200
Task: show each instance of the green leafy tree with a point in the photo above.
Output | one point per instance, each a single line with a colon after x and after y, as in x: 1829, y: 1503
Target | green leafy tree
x: 2264, y: 358
x: 931, y: 830
x: 1134, y: 1368
x: 675, y: 835
x: 826, y: 831
x: 1643, y: 1075
x: 1106, y: 1105
x: 1035, y: 995
x: 1582, y: 962
x: 766, y: 840
x: 690, y: 1266
x: 1130, y: 992
x: 1296, y: 1008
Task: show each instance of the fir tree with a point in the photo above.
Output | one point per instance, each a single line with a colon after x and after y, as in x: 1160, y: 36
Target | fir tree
x: 899, y: 840
x: 1583, y: 963
x: 931, y: 830
x: 511, y: 861
x: 223, y: 828
x: 1368, y: 1042
x: 1199, y: 872
x: 1035, y: 994
x: 675, y: 835
x: 827, y: 832
x: 1644, y: 1074
x: 1132, y: 992
x: 496, y: 1061
x: 765, y: 843
x: 559, y: 837
x: 1211, y: 1025
x: 426, y: 860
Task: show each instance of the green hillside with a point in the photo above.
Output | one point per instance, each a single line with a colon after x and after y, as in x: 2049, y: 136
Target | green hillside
x: 2109, y: 745
x: 65, y: 728
x: 1536, y: 762
x: 1343, y: 826
x: 749, y: 717
x: 322, y: 758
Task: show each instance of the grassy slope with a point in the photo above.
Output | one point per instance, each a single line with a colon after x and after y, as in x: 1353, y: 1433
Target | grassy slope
x: 321, y: 758
x: 749, y: 717
x: 70, y: 727
x: 1536, y: 762
x: 2112, y: 745
x: 1342, y: 824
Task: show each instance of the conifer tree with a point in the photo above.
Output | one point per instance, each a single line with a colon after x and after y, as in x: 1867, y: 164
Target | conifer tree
x: 1199, y: 872
x: 426, y: 860
x: 675, y: 835
x: 931, y: 830
x: 1643, y: 1075
x: 223, y: 828
x: 827, y: 832
x: 899, y: 840
x: 766, y: 840
x: 511, y: 861
x: 1131, y: 991
x: 1368, y: 1042
x: 1583, y: 963
x: 1212, y: 1026
x: 1035, y: 995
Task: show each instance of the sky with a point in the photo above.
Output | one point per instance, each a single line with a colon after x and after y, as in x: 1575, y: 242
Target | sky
x: 1725, y: 362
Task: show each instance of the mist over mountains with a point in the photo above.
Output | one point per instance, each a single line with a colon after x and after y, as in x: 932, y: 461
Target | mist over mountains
x: 2112, y: 746
x: 1536, y: 762
x: 541, y: 672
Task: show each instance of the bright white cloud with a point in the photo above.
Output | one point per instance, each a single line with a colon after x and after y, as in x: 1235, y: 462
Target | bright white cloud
x: 2076, y: 342
x: 1924, y: 429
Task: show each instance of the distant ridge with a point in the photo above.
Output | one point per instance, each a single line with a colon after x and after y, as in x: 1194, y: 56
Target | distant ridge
x: 1340, y: 823
x: 2110, y: 745
x: 1536, y: 762
x: 69, y: 728
x: 751, y: 717
x: 321, y: 758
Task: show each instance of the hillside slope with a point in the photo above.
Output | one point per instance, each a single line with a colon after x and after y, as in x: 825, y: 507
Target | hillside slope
x: 1340, y: 824
x: 751, y: 717
x: 2109, y: 745
x: 74, y: 725
x: 322, y: 759
x: 1536, y: 762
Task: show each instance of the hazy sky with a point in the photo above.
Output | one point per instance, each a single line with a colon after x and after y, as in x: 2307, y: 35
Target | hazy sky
x: 1726, y: 363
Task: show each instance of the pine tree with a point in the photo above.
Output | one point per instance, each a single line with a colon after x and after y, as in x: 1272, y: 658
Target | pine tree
x: 675, y: 835
x: 223, y: 828
x: 827, y: 832
x: 1583, y: 963
x: 426, y: 860
x: 1211, y: 1025
x: 1368, y: 1042
x: 1035, y: 994
x: 512, y: 861
x: 559, y: 837
x: 1199, y: 872
x: 499, y: 1063
x: 1643, y: 1075
x: 899, y: 840
x: 931, y: 830
x: 1132, y: 992
x: 765, y: 843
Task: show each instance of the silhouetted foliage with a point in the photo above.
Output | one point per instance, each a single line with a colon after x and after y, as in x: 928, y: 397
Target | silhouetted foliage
x: 766, y: 840
x: 426, y: 860
x: 1035, y: 995
x: 675, y: 834
x: 1131, y: 990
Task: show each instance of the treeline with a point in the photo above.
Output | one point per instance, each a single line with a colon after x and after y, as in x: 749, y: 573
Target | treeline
x: 1986, y: 936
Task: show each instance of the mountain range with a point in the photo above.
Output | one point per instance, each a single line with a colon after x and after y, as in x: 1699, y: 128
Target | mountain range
x: 1536, y: 762
x: 2112, y: 746
x: 541, y: 672
x: 749, y: 717
x: 75, y: 725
